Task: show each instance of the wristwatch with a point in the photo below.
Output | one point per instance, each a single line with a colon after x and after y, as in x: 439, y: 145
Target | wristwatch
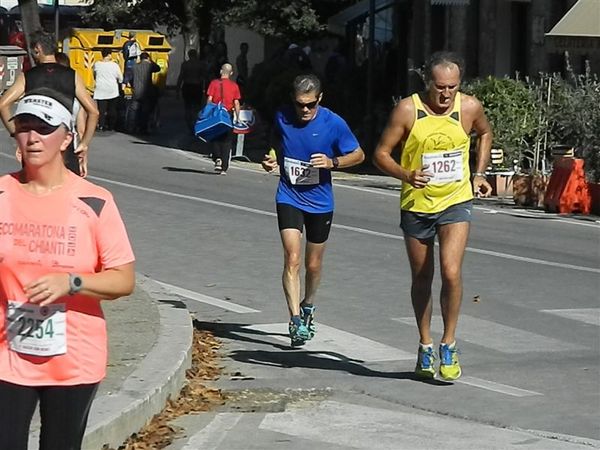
x: 479, y: 174
x: 75, y: 284
x: 335, y: 162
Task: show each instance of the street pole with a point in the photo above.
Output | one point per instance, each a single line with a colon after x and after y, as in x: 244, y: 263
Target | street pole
x: 370, y: 78
x: 56, y: 20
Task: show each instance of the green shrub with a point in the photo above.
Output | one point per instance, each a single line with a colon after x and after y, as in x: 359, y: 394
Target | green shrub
x: 529, y: 117
x: 513, y: 111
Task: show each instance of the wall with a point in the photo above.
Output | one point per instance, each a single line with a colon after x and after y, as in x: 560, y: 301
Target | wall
x: 234, y: 36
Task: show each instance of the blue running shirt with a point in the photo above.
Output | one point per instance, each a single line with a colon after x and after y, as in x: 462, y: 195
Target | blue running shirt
x: 300, y: 185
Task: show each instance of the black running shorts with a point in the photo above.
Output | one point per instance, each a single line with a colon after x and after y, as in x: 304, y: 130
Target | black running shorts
x: 317, y: 225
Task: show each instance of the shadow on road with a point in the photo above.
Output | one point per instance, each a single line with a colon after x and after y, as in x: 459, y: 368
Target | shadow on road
x: 287, y: 357
x: 188, y: 170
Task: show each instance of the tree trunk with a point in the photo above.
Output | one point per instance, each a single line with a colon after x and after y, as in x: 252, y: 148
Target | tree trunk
x: 30, y: 16
x: 190, y: 27
x: 487, y: 41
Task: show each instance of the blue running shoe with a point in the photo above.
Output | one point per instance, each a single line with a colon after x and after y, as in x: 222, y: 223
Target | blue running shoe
x: 298, y: 332
x: 425, y: 359
x: 449, y: 366
x: 307, y: 315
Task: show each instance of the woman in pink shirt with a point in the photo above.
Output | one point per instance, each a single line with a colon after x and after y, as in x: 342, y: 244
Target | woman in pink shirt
x: 63, y: 249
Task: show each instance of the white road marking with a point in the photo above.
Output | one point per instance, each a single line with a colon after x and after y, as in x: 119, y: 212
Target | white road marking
x: 586, y: 315
x: 339, y: 345
x: 345, y: 227
x: 496, y: 336
x: 496, y: 387
x: 223, y: 304
x: 370, y: 190
x: 212, y: 435
x: 362, y: 427
x: 553, y: 217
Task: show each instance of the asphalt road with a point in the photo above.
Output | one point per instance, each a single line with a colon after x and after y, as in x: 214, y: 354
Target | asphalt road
x: 530, y: 347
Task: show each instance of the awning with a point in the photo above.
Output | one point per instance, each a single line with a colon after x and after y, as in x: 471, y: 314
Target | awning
x: 583, y: 19
x: 579, y: 29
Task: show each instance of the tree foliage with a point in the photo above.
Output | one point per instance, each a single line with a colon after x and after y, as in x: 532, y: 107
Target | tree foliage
x: 112, y: 14
x: 277, y: 18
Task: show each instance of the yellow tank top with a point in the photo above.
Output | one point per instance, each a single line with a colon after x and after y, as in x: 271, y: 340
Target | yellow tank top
x: 441, y: 142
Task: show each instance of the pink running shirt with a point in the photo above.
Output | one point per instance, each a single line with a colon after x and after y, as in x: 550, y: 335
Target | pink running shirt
x: 76, y: 228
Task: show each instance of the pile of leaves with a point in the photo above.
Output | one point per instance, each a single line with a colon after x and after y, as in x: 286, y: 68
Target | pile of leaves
x: 195, y: 397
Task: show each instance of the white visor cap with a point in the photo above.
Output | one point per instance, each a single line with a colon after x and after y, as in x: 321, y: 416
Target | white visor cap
x: 46, y: 108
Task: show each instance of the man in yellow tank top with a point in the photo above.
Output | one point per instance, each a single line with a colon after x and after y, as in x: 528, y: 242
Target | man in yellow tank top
x: 433, y: 128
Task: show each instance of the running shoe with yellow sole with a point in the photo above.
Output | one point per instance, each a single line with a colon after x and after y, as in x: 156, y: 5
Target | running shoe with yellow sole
x: 449, y: 366
x: 425, y: 359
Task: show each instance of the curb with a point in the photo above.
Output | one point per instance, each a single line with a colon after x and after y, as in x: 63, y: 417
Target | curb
x: 113, y: 418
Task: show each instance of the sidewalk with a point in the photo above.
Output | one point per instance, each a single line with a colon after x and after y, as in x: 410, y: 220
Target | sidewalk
x: 150, y: 338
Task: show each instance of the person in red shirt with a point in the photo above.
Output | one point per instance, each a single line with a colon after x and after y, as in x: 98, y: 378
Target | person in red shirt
x: 63, y: 249
x: 226, y: 91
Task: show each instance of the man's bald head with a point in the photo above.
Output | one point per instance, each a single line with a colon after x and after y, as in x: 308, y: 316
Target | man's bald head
x: 226, y: 70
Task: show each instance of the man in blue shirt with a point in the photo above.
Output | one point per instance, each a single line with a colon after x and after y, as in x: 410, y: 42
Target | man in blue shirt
x: 310, y: 141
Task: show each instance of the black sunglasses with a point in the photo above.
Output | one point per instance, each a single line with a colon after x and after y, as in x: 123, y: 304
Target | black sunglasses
x: 310, y: 105
x: 40, y: 127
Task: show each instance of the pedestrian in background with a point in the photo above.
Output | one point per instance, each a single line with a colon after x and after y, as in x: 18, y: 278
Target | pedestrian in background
x: 131, y: 54
x: 53, y: 343
x: 108, y: 76
x: 433, y: 129
x: 145, y: 94
x: 309, y: 142
x: 226, y: 91
x: 241, y: 64
x: 192, y: 83
x: 63, y: 79
x: 76, y: 163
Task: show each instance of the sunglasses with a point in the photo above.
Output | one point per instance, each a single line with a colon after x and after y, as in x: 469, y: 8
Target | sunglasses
x: 41, y: 128
x: 310, y: 105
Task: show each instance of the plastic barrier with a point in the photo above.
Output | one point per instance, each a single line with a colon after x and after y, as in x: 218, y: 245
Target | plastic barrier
x: 567, y: 190
x: 84, y: 47
x: 151, y: 42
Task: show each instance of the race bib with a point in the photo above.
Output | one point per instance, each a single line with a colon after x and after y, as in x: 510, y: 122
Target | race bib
x: 300, y: 172
x: 446, y: 167
x: 37, y: 330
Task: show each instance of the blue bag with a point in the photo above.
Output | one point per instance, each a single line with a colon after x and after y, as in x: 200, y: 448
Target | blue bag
x: 213, y: 121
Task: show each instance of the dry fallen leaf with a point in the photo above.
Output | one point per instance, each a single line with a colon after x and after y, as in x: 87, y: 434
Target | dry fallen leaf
x: 193, y: 398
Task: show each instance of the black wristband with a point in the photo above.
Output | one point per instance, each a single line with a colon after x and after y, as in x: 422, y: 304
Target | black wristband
x: 335, y: 162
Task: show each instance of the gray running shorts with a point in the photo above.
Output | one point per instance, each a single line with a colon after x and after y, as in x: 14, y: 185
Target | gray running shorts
x: 424, y: 226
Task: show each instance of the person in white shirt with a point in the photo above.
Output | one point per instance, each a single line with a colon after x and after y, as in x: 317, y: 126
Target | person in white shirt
x: 108, y: 79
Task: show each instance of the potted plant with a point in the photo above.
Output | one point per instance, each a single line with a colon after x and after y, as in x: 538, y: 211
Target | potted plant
x: 574, y: 119
x: 515, y: 113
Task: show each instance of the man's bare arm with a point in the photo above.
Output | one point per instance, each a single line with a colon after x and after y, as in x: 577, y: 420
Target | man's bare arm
x: 8, y: 99
x: 482, y: 127
x: 481, y: 187
x: 236, y: 108
x: 396, y: 130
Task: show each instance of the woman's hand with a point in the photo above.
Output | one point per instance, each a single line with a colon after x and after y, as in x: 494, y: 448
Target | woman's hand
x: 48, y: 288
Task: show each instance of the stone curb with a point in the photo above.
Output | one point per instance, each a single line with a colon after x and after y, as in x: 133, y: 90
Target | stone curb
x: 160, y: 375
